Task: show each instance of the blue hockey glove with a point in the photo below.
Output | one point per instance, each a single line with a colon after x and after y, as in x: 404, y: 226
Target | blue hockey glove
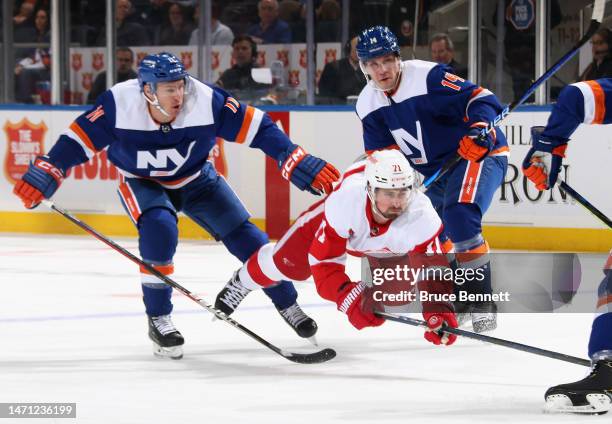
x: 40, y: 181
x: 543, y: 161
x: 307, y: 172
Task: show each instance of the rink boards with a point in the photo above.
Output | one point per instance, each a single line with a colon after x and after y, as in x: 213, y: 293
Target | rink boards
x: 519, y: 218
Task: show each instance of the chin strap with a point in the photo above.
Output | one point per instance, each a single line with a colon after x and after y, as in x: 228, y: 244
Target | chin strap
x: 155, y: 104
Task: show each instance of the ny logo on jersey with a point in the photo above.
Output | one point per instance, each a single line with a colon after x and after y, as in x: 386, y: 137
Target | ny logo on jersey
x: 146, y: 159
x: 411, y: 147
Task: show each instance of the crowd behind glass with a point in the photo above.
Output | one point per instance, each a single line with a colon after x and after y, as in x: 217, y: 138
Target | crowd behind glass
x: 248, y: 34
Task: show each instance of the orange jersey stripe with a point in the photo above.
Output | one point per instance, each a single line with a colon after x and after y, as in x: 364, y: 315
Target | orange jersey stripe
x: 468, y: 189
x: 83, y: 136
x: 129, y: 201
x: 246, y: 123
x: 474, y: 253
x: 604, y: 301
x: 164, y: 269
x: 600, y: 102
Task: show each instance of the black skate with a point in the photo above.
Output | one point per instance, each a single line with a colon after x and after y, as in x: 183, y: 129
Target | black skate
x: 482, y: 314
x: 301, y: 323
x: 167, y: 340
x: 591, y: 395
x: 232, y: 294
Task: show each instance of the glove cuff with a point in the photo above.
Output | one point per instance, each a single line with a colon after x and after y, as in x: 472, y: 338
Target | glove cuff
x: 544, y: 143
x: 353, y: 294
x: 289, y: 160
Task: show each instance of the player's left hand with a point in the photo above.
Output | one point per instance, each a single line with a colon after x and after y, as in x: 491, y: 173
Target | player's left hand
x: 307, y: 172
x: 473, y: 148
x: 435, y: 321
x: 543, y: 161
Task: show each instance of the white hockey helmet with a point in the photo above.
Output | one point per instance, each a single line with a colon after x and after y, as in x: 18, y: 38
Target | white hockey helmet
x: 389, y: 169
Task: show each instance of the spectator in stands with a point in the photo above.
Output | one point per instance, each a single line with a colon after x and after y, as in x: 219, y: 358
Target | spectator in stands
x: 442, y: 51
x: 342, y: 78
x: 176, y: 30
x: 290, y: 11
x: 29, y: 71
x: 125, y: 71
x: 601, y: 66
x: 238, y: 77
x: 221, y: 34
x: 328, y: 22
x: 37, y: 33
x: 405, y: 36
x: 270, y: 29
x: 128, y: 33
x: 24, y: 17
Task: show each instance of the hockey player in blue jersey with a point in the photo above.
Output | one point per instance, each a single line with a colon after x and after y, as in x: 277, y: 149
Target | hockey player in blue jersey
x: 158, y: 131
x: 431, y: 115
x: 587, y: 102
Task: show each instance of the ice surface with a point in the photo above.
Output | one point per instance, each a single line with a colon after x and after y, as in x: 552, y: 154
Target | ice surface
x: 72, y: 329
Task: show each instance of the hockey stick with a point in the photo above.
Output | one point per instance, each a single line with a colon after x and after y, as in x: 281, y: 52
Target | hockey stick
x: 584, y: 202
x: 489, y: 339
x: 596, y: 18
x: 301, y: 358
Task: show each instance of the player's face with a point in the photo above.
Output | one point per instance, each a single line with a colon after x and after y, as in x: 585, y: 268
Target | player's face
x: 384, y: 71
x: 171, y: 95
x: 391, y: 202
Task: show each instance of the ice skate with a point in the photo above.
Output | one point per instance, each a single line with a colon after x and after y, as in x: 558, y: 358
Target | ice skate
x: 231, y: 295
x: 591, y: 395
x: 301, y: 323
x: 483, y: 315
x: 167, y: 340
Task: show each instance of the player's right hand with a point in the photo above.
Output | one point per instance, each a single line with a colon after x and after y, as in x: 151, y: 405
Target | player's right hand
x: 351, y: 301
x: 543, y: 161
x: 435, y: 321
x: 472, y: 147
x: 40, y: 181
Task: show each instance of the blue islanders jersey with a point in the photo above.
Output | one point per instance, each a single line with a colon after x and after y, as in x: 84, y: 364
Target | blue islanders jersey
x: 427, y: 115
x: 586, y: 102
x: 172, y: 155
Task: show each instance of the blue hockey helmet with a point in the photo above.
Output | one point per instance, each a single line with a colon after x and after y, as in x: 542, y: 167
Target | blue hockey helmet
x: 376, y: 41
x: 160, y: 67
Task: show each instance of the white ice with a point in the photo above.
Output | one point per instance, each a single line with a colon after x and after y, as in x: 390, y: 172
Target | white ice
x: 72, y: 329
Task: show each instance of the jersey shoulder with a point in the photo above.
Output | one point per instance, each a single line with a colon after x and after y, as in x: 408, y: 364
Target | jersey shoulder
x: 420, y: 222
x: 130, y: 107
x: 347, y: 202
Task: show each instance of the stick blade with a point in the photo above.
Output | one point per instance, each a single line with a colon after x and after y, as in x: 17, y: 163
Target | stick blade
x: 310, y: 358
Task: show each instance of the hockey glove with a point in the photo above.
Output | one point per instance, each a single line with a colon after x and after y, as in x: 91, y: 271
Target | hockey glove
x: 350, y: 301
x: 543, y: 161
x: 435, y: 321
x: 40, y: 181
x: 472, y: 147
x: 307, y: 172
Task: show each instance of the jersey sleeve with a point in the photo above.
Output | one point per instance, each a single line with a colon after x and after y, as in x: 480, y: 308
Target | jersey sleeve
x: 87, y: 135
x: 579, y: 103
x: 458, y: 100
x: 245, y: 124
x: 327, y: 259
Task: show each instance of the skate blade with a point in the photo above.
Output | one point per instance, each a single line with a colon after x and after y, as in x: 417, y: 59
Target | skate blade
x: 174, y: 352
x: 560, y: 403
x: 313, y: 340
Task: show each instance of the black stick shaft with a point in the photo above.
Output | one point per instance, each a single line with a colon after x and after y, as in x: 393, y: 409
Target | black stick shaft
x: 584, y: 202
x: 489, y: 339
x: 295, y: 357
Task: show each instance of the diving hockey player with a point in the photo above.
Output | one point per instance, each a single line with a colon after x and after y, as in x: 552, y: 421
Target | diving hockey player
x: 375, y: 210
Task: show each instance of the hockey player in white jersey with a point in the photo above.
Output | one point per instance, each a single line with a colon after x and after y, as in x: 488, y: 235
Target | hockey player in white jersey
x: 375, y: 210
x: 431, y: 115
x: 158, y: 131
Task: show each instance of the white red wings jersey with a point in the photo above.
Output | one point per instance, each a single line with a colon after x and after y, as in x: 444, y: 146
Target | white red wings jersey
x: 348, y: 224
